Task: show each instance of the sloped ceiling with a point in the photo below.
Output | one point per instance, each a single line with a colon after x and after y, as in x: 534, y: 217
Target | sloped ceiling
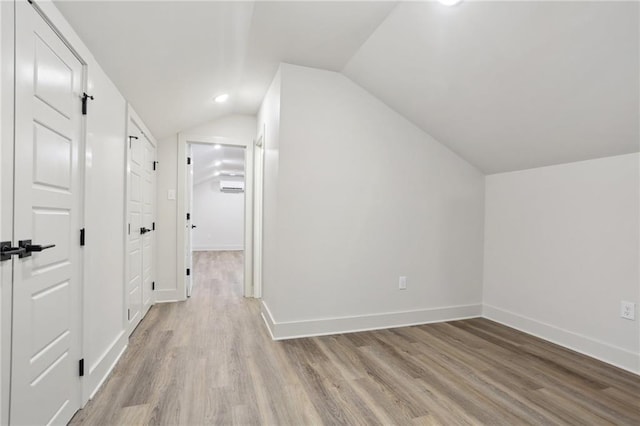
x: 507, y: 85
x: 511, y: 85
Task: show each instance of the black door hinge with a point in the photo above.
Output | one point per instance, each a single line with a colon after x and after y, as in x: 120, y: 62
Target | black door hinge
x: 153, y: 285
x: 154, y: 165
x: 188, y: 160
x: 82, y: 237
x: 81, y: 367
x: 131, y: 137
x: 153, y: 226
x: 188, y: 216
x: 84, y: 102
x: 129, y: 231
x: 128, y: 314
x: 188, y: 271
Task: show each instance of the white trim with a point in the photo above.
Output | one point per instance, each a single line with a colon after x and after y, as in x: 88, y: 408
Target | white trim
x: 258, y: 203
x: 181, y: 208
x: 218, y: 248
x: 619, y: 357
x: 338, y: 325
x: 102, y: 368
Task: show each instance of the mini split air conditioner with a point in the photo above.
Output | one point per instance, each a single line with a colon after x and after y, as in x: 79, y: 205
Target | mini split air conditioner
x: 231, y: 186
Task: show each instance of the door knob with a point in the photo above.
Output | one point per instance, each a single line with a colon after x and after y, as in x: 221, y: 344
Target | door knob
x: 6, y: 251
x: 193, y: 226
x: 144, y: 230
x: 30, y: 248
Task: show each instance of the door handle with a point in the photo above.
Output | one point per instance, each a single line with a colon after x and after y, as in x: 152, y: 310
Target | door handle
x: 30, y: 248
x: 193, y: 226
x: 6, y: 251
x: 144, y: 230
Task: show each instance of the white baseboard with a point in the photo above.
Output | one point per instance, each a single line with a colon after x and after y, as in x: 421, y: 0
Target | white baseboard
x: 218, y: 248
x: 619, y: 357
x: 164, y: 296
x: 338, y: 325
x: 99, y: 370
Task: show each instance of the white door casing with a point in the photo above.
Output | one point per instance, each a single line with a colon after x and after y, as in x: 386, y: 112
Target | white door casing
x: 188, y: 253
x: 45, y: 385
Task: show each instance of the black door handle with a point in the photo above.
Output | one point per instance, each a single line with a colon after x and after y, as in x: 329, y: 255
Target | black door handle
x: 193, y: 226
x: 30, y: 248
x: 144, y: 230
x: 6, y: 251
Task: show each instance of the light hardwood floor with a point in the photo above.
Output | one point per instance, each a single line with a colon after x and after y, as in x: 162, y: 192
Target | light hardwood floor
x: 210, y: 361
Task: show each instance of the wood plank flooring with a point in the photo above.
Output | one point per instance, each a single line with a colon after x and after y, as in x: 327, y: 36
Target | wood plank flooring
x: 210, y: 361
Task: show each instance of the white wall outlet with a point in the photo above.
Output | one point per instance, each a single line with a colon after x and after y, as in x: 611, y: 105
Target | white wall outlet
x: 628, y: 310
x: 402, y: 283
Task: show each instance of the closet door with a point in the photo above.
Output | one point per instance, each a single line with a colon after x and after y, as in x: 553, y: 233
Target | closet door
x: 136, y: 225
x: 141, y: 213
x: 45, y: 385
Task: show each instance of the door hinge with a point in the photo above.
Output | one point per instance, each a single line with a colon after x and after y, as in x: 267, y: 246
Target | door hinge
x: 128, y: 314
x: 153, y: 226
x: 131, y: 137
x: 188, y: 216
x: 81, y: 367
x: 84, y: 102
x: 82, y: 237
x: 188, y: 271
x: 188, y: 160
x: 153, y: 285
x: 129, y: 229
x: 154, y: 165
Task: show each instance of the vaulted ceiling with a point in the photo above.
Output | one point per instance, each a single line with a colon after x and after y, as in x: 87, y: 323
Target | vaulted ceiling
x: 507, y: 85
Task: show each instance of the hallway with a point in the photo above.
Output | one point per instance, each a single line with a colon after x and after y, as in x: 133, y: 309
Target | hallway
x: 210, y: 361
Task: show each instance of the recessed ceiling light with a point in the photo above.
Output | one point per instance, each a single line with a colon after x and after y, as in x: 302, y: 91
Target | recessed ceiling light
x: 217, y: 163
x: 449, y: 2
x: 221, y: 98
x: 216, y: 174
x: 216, y: 146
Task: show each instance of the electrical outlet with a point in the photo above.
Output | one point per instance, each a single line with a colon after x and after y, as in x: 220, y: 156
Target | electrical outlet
x: 628, y: 310
x: 402, y: 283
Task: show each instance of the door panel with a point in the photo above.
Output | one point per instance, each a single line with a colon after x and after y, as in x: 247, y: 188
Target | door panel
x: 134, y: 242
x: 45, y: 387
x: 148, y: 213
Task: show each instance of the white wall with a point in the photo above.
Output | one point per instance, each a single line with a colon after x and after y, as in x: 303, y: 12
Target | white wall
x: 562, y: 251
x: 219, y: 217
x: 232, y: 126
x: 364, y: 196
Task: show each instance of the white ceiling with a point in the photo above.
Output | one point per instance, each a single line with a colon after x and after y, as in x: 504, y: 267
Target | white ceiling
x: 507, y: 85
x: 216, y: 162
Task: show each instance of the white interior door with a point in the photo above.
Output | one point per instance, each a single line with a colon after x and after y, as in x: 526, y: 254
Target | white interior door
x: 135, y: 186
x: 148, y: 214
x: 45, y: 385
x: 189, y: 204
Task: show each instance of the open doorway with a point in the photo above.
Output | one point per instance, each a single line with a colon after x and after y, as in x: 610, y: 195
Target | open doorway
x: 184, y: 221
x: 216, y: 192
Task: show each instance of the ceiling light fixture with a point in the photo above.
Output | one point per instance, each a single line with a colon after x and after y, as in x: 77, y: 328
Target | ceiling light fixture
x: 449, y: 2
x: 221, y: 98
x: 217, y: 146
x: 217, y: 163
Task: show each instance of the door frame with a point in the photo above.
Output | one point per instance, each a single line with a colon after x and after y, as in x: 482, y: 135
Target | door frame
x: 258, y: 202
x: 181, y: 208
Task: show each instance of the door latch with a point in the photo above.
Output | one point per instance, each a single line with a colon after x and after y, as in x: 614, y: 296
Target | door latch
x: 144, y: 230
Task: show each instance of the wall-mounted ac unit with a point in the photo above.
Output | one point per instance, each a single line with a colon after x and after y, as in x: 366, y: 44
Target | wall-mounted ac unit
x: 231, y: 186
